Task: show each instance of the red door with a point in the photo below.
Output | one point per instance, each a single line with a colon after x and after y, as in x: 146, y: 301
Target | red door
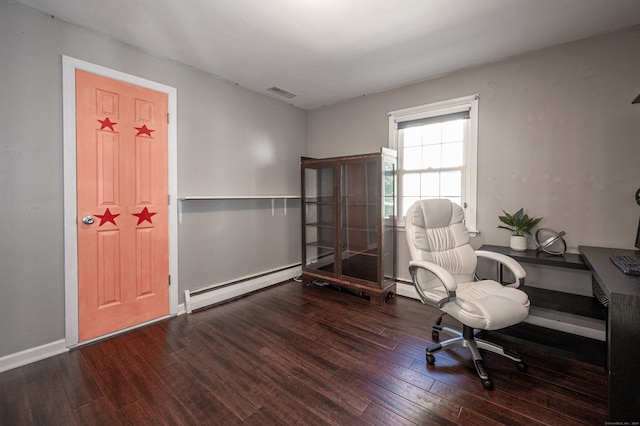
x: 122, y: 198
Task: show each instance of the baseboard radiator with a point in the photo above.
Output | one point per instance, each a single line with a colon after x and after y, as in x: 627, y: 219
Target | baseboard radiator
x: 221, y: 292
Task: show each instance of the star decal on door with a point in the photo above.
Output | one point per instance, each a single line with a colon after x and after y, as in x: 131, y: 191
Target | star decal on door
x: 107, y: 217
x: 145, y: 214
x: 107, y: 123
x: 144, y: 130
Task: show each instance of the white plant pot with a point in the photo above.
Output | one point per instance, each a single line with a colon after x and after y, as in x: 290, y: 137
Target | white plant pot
x: 518, y: 243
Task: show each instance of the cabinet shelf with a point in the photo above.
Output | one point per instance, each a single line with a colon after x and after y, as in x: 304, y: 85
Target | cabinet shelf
x: 320, y: 244
x: 370, y: 230
x: 322, y: 200
x: 321, y: 224
x: 368, y: 252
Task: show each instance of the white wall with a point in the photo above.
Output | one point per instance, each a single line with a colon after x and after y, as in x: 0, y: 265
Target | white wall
x: 230, y: 142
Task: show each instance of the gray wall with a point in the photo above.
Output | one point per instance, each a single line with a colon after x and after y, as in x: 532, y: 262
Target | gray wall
x: 221, y: 241
x: 230, y: 142
x: 557, y: 135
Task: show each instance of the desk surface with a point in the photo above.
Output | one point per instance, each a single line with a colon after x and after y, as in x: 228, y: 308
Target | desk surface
x: 612, y: 280
x: 567, y: 260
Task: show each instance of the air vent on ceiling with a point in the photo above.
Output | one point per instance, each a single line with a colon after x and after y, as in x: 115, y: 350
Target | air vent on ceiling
x: 281, y: 92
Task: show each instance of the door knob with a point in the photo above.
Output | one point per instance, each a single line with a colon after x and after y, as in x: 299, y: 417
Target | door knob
x: 87, y: 220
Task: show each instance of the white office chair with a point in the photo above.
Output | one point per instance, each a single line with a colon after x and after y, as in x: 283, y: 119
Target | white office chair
x: 442, y: 268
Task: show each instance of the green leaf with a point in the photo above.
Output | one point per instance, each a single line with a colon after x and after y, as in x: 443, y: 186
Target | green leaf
x: 519, y: 223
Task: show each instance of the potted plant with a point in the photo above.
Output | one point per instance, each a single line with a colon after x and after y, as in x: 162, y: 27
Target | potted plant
x: 520, y: 225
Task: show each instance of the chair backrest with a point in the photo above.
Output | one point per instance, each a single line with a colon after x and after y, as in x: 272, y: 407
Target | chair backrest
x: 436, y: 232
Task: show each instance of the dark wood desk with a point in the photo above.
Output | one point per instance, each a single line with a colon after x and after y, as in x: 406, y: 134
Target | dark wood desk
x: 623, y: 333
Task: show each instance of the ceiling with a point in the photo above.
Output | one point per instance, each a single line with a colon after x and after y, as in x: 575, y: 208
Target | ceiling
x: 327, y: 51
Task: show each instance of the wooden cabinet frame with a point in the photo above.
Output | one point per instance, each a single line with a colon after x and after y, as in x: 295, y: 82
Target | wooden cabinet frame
x: 349, y: 214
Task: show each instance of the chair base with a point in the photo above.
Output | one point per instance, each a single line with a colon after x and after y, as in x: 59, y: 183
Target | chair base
x: 467, y: 338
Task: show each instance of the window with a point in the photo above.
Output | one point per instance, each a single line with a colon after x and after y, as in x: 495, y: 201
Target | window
x: 437, y: 154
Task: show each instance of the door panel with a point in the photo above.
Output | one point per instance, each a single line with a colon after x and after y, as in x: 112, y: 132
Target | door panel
x: 122, y: 183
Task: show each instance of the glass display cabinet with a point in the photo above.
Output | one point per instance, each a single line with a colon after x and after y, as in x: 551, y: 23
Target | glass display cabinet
x: 348, y: 222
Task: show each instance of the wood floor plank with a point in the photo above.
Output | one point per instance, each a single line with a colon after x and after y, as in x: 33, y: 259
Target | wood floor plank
x: 339, y: 394
x: 299, y: 349
x: 512, y: 412
x: 344, y: 343
x: 267, y: 416
x: 155, y: 393
x: 161, y: 336
x: 77, y: 379
x: 359, y: 333
x: 307, y: 395
x: 298, y: 354
x: 506, y: 394
x: 221, y: 383
x: 377, y: 415
x: 431, y: 401
x: 197, y: 398
x: 473, y: 418
x: 109, y: 371
x: 139, y: 413
x: 50, y: 404
x: 15, y: 405
x: 100, y: 412
x: 394, y: 402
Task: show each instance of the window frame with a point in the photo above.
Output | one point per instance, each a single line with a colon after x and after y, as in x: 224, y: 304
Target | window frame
x: 470, y: 184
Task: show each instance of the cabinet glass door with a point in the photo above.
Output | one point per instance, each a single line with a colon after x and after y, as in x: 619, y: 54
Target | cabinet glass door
x: 319, y: 218
x: 361, y: 211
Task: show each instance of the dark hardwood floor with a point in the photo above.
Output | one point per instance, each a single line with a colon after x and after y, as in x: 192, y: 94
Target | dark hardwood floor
x: 296, y: 355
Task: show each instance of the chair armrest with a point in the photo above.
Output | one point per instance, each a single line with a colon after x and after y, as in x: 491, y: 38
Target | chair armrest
x: 443, y: 276
x: 516, y: 269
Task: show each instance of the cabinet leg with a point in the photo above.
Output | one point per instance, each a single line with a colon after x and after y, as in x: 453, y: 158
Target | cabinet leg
x: 381, y: 298
x: 376, y: 298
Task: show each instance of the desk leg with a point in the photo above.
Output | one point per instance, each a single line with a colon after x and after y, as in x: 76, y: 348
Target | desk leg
x: 623, y: 347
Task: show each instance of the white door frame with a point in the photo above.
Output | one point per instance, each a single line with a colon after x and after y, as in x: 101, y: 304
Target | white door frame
x: 69, y: 67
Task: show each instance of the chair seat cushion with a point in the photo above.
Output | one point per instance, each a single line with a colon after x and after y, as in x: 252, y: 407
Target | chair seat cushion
x: 488, y: 305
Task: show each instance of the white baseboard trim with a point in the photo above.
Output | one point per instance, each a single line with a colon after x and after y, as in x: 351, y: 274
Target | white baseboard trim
x: 18, y: 359
x: 181, y: 309
x: 196, y: 299
x: 406, y: 290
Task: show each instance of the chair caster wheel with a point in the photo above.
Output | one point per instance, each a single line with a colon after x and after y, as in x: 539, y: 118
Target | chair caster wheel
x: 522, y: 366
x: 488, y: 384
x: 431, y: 360
x: 435, y: 336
